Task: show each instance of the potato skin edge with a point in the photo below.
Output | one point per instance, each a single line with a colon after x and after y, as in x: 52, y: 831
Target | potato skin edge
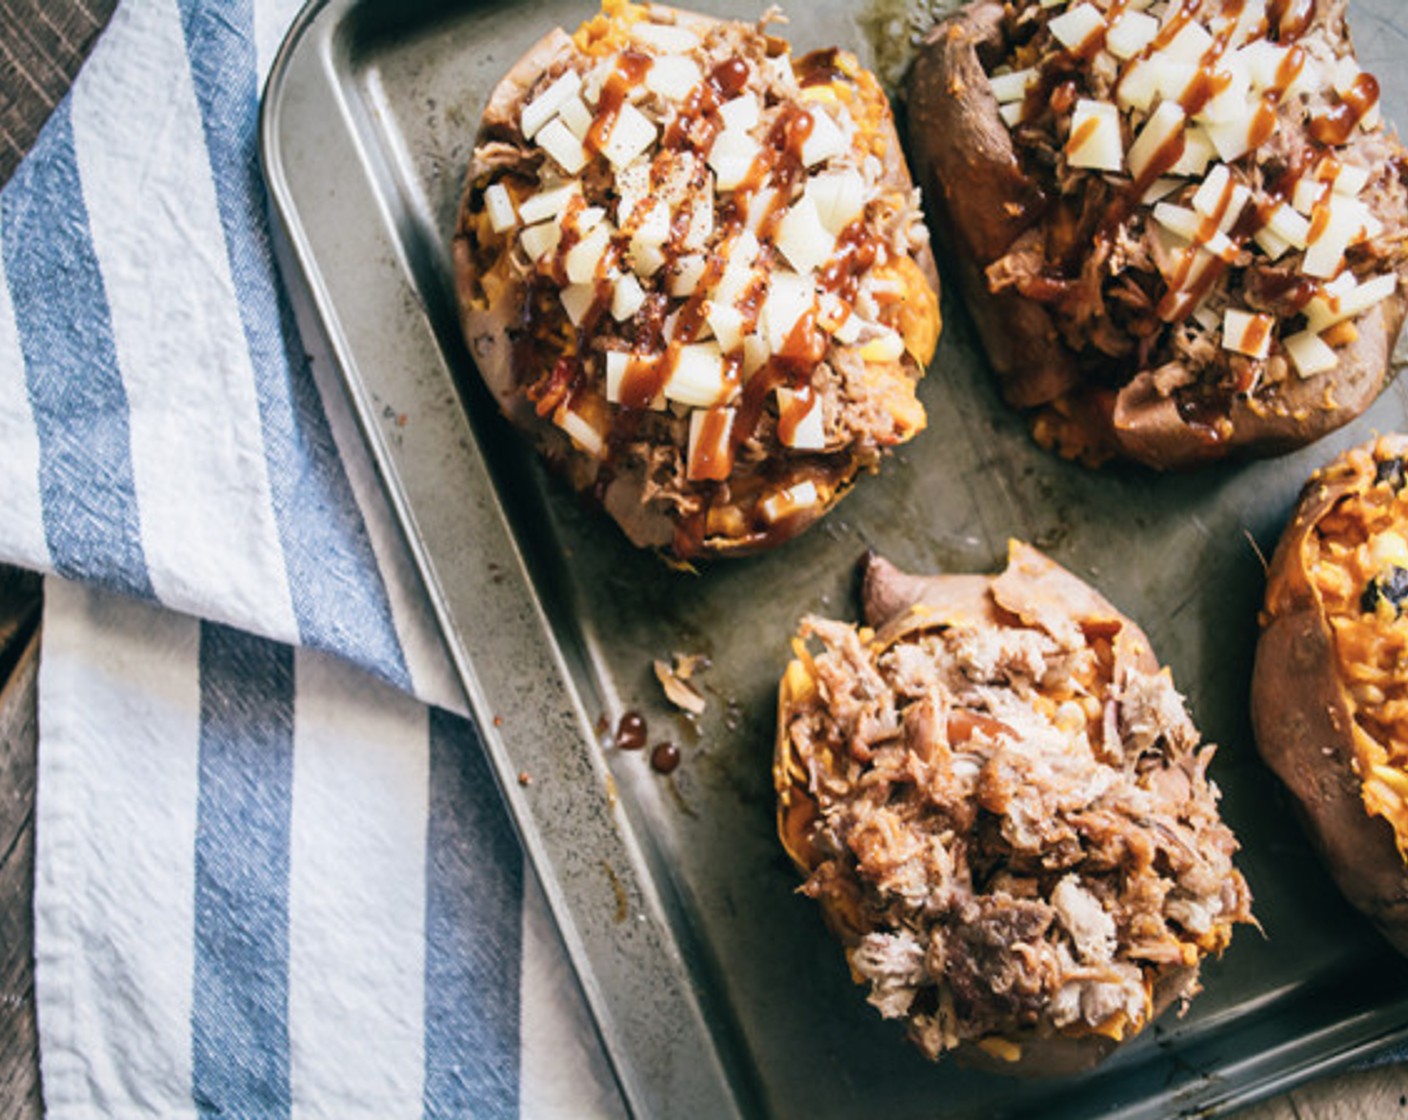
x: 1303, y: 722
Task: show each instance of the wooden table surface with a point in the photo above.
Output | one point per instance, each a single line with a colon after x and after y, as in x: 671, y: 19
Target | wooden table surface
x: 42, y: 43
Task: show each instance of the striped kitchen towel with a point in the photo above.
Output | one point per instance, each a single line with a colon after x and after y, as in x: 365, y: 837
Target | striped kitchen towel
x: 274, y: 876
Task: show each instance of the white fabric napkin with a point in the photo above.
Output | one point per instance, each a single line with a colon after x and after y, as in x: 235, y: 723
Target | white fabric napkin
x: 274, y: 876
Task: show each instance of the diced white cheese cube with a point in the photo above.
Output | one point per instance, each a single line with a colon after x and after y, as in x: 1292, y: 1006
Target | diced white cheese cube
x: 1310, y: 353
x: 627, y: 297
x: 632, y: 188
x: 1178, y: 219
x: 1206, y: 318
x: 741, y: 113
x: 726, y: 321
x: 1263, y: 60
x: 1189, y: 45
x: 546, y: 105
x: 1351, y: 179
x: 672, y: 76
x: 685, y: 274
x: 710, y: 444
x: 617, y: 364
x: 580, y: 431
x: 1330, y: 239
x: 1221, y: 200
x: 1273, y: 246
x: 1159, y: 189
x: 584, y: 258
x: 1074, y: 27
x: 1230, y: 103
x: 631, y: 135
x: 1197, y: 152
x: 784, y: 503
x: 802, y: 238
x: 538, y: 241
x: 663, y: 37
x: 547, y: 204
x: 1346, y: 73
x: 1130, y: 34
x: 789, y: 298
x: 1248, y: 333
x: 1326, y: 309
x: 848, y: 332
x: 1233, y: 137
x: 839, y: 197
x: 825, y: 140
x: 1288, y: 226
x: 1149, y: 79
x: 1012, y: 113
x: 1251, y: 22
x: 577, y: 299
x: 588, y: 218
x: 731, y: 157
x: 1095, y: 141
x: 807, y: 430
x: 1157, y: 135
x: 1207, y: 200
x: 654, y: 228
x: 698, y: 377
x: 733, y: 283
x: 577, y: 117
x: 1192, y: 282
x: 557, y: 140
x: 1012, y: 86
x: 759, y: 206
x: 498, y: 204
x: 1308, y: 193
x: 755, y: 353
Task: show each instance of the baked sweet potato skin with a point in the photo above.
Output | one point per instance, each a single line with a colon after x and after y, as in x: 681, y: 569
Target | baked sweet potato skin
x: 901, y: 609
x: 1303, y: 712
x: 491, y: 302
x: 981, y: 202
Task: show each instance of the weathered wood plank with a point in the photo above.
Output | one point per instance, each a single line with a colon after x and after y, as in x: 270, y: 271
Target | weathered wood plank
x: 19, y: 1052
x: 42, y: 43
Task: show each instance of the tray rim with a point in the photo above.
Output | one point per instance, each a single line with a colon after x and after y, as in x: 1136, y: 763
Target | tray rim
x: 643, y: 1099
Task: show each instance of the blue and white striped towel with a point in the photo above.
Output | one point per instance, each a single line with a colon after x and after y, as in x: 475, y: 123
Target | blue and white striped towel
x: 274, y: 876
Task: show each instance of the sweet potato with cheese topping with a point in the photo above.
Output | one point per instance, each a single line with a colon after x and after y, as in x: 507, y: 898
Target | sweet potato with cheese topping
x: 693, y: 270
x: 1330, y: 688
x: 1181, y: 226
x: 1000, y: 803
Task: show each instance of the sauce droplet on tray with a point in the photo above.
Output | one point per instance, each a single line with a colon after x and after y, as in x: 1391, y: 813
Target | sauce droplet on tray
x: 665, y: 758
x: 631, y: 732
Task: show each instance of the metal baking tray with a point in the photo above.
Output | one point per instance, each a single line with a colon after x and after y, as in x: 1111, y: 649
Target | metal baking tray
x: 714, y: 986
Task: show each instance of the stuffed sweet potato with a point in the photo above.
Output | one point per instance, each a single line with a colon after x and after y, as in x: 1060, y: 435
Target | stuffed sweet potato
x: 1330, y: 687
x: 1179, y: 226
x: 693, y: 270
x: 1000, y: 803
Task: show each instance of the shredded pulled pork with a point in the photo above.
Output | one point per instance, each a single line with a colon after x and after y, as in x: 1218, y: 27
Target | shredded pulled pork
x: 1010, y: 826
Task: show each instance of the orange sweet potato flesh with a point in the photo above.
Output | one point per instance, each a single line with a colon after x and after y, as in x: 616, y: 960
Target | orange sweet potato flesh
x: 1310, y: 728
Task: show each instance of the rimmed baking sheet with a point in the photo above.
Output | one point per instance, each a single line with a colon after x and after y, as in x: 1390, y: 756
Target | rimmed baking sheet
x: 715, y: 987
